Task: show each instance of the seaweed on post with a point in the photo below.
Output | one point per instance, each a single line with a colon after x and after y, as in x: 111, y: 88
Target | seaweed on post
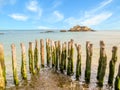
x: 65, y: 55
x: 72, y: 55
x: 78, y: 64
x: 57, y: 53
x: 48, y: 51
x: 31, y: 58
x: 62, y: 58
x: 112, y: 66
x: 53, y: 54
x: 102, y: 64
x: 117, y: 80
x: 42, y: 52
x: 14, y: 65
x: 36, y: 58
x: 2, y: 69
x: 88, y: 61
x: 23, y: 66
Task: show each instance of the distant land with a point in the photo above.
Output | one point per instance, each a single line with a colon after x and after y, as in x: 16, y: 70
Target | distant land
x: 78, y: 28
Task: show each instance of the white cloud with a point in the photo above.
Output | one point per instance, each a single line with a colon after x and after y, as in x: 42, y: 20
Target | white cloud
x: 55, y: 17
x: 19, y: 17
x: 33, y: 6
x: 92, y: 17
x: 59, y: 16
x: 56, y: 3
x: 97, y: 19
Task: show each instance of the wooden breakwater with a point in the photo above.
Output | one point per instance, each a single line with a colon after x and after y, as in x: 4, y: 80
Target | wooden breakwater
x: 59, y: 56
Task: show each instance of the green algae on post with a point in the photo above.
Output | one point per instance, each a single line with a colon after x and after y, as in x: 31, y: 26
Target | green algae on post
x: 88, y: 61
x: 71, y: 55
x: 23, y: 66
x: 70, y: 58
x: 62, y: 58
x: 53, y: 52
x: 56, y: 61
x: 42, y: 52
x: 31, y: 58
x: 112, y: 66
x: 102, y: 64
x: 36, y: 58
x: 48, y: 51
x: 2, y: 69
x: 59, y: 53
x: 14, y: 65
x: 117, y: 80
x: 78, y: 64
x: 65, y: 54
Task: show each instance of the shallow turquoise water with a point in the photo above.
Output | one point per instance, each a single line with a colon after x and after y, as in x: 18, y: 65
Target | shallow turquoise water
x: 110, y: 38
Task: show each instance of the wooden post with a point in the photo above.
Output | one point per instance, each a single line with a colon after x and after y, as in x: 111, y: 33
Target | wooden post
x: 112, y: 66
x: 42, y: 52
x: 2, y: 69
x: 102, y: 64
x: 31, y: 58
x: 59, y: 53
x: 69, y: 59
x: 78, y: 64
x: 71, y: 55
x: 53, y: 54
x: 48, y: 51
x: 56, y: 61
x: 23, y: 66
x: 36, y: 54
x: 65, y: 54
x: 14, y: 65
x: 88, y: 61
x: 62, y: 58
x: 117, y: 80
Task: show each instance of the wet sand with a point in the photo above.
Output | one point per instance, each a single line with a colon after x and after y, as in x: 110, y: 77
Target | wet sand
x: 48, y: 79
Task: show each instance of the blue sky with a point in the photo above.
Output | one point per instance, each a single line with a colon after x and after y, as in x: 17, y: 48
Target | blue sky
x: 59, y: 14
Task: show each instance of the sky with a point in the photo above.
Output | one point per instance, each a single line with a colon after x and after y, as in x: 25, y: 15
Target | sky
x: 59, y: 14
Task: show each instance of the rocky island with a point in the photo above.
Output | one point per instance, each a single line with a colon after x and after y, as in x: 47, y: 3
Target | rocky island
x: 78, y: 28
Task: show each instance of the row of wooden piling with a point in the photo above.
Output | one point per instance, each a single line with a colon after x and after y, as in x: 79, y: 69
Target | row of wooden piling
x: 60, y: 57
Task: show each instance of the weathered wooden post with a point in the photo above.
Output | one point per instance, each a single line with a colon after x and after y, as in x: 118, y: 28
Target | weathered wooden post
x: 48, y: 51
x: 78, y: 64
x: 53, y: 54
x: 117, y: 80
x: 69, y: 59
x: 23, y: 66
x: 102, y: 64
x: 36, y: 58
x: 65, y: 54
x: 88, y: 61
x: 71, y: 55
x: 59, y: 53
x: 56, y: 61
x: 14, y: 65
x: 112, y: 66
x: 42, y: 52
x: 62, y: 58
x: 2, y: 69
x: 31, y: 58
